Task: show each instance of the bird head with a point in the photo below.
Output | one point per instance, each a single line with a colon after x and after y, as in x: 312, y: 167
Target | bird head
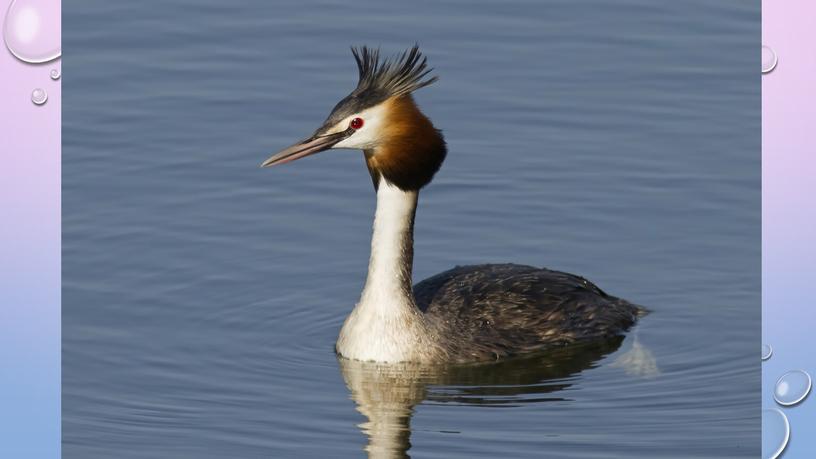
x: 381, y: 118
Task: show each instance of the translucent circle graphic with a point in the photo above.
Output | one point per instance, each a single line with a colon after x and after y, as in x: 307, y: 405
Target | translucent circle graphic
x: 39, y: 96
x: 792, y: 387
x: 55, y: 74
x: 769, y: 59
x: 767, y: 351
x: 32, y: 30
x: 775, y: 433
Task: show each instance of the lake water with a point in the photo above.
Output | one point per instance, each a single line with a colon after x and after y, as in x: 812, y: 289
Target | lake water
x: 203, y: 295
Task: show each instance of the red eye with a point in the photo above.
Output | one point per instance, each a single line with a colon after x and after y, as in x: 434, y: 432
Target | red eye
x: 356, y: 123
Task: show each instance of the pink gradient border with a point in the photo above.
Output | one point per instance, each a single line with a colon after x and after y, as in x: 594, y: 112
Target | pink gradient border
x: 789, y: 208
x: 30, y: 258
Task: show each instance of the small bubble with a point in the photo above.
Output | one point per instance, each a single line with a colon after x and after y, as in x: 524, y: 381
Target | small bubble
x: 39, y: 96
x: 767, y: 351
x: 769, y: 59
x: 792, y: 387
x: 55, y: 74
x: 775, y: 433
x: 32, y: 30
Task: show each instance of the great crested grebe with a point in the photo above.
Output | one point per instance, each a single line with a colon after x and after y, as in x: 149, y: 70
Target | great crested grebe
x: 469, y: 313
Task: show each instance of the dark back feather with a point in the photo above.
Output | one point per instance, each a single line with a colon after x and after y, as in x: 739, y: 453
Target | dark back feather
x: 492, y: 311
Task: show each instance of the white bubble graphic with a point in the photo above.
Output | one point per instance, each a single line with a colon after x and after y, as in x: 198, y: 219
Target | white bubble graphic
x: 775, y: 433
x: 32, y: 30
x: 55, y: 74
x: 769, y: 59
x: 792, y: 387
x: 767, y: 351
x: 39, y: 96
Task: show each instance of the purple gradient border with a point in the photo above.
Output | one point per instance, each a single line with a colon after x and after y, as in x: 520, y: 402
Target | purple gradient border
x: 30, y: 256
x: 30, y: 234
x: 789, y: 209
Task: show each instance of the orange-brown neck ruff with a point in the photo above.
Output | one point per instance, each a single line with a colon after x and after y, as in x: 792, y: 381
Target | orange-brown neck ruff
x: 411, y: 149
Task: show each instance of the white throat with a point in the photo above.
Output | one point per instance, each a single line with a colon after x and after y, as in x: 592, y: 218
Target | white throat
x: 392, y: 248
x: 386, y: 325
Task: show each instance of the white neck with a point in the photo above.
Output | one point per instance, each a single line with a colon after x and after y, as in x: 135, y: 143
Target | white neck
x: 386, y: 325
x: 392, y: 248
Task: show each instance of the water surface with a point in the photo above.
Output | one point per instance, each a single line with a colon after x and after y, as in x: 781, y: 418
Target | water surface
x: 202, y: 295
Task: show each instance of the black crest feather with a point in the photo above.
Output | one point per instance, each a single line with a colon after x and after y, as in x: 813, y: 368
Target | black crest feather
x: 391, y: 77
x: 381, y: 80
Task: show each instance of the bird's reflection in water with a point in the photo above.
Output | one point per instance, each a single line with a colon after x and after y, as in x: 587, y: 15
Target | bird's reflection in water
x: 386, y: 394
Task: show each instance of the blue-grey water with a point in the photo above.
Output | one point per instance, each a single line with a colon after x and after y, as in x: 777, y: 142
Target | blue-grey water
x: 202, y: 295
